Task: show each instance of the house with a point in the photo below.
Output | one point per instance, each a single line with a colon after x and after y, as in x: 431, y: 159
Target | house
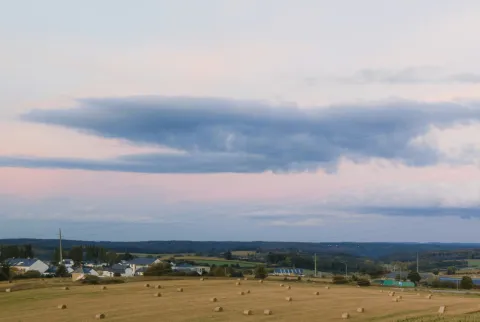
x: 68, y: 263
x: 140, y: 262
x: 81, y: 272
x: 185, y: 267
x: 288, y: 272
x: 118, y: 270
x: 140, y: 271
x: 23, y: 265
x: 51, y: 271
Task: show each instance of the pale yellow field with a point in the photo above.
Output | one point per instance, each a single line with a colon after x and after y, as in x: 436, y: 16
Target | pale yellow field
x: 133, y: 302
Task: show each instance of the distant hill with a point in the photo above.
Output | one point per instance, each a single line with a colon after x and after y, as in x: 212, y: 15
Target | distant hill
x: 398, y: 251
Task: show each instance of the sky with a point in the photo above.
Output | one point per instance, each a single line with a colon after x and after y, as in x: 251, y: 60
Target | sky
x: 278, y: 120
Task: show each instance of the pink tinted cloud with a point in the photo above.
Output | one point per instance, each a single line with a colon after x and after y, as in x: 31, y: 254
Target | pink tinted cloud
x: 351, y: 178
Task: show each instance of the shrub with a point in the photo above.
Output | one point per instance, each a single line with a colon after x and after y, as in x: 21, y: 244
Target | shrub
x: 61, y: 271
x: 363, y: 282
x: 466, y: 283
x: 29, y: 274
x: 158, y: 270
x: 236, y: 274
x: 339, y: 279
x: 260, y: 272
x: 91, y: 279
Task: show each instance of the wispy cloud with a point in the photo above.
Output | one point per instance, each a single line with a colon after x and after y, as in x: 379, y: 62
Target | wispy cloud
x: 409, y: 75
x: 222, y: 135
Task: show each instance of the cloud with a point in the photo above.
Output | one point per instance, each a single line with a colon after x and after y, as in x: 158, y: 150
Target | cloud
x: 410, y: 75
x: 214, y: 135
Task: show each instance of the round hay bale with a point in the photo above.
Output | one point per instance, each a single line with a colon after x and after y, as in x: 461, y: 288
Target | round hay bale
x: 179, y: 289
x: 360, y: 310
x: 381, y: 291
x: 202, y: 279
x: 218, y: 309
x: 238, y: 283
x: 429, y: 296
x: 241, y: 293
x: 327, y: 287
x: 62, y: 307
x: 267, y: 312
x: 281, y: 285
x: 289, y: 287
x: 345, y: 315
x: 395, y: 299
x: 260, y: 281
x: 147, y: 285
x: 238, y: 279
x: 8, y: 290
x: 213, y: 299
x: 100, y: 316
x: 248, y: 291
x: 103, y: 288
x: 247, y: 312
x: 65, y: 288
x: 157, y: 295
x: 418, y: 294
x: 399, y: 297
x: 158, y: 286
x: 442, y: 309
x: 288, y: 299
x: 245, y: 279
x: 316, y: 293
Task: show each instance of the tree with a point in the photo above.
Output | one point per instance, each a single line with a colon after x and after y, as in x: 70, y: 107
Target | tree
x: 451, y: 270
x: 228, y: 255
x: 466, y: 283
x: 111, y: 258
x: 61, y: 271
x: 260, y: 272
x: 414, y: 277
x: 435, y: 271
x: 76, y: 254
x: 5, y: 272
x: 158, y: 269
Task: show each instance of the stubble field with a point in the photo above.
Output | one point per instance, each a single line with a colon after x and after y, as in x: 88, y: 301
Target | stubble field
x: 134, y: 302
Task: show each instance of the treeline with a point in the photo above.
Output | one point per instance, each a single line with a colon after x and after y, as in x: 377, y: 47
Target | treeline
x: 16, y: 251
x: 385, y: 252
x: 91, y: 253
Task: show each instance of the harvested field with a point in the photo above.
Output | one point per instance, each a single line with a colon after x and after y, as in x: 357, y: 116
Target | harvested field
x: 134, y: 302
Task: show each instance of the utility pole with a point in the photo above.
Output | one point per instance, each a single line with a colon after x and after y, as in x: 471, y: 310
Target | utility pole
x: 417, y: 264
x: 60, y: 239
x: 346, y: 269
x: 315, y: 264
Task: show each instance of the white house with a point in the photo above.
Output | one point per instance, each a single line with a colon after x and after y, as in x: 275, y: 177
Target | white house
x: 68, y: 263
x: 118, y: 269
x: 143, y: 262
x: 27, y: 264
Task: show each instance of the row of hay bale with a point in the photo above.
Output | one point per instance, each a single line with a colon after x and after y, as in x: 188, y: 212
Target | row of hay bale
x: 346, y: 315
x: 97, y: 316
x: 245, y: 312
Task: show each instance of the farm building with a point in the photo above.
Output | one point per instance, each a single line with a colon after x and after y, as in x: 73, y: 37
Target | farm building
x: 81, y: 272
x: 118, y: 270
x: 185, y: 267
x: 288, y: 272
x: 23, y: 265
